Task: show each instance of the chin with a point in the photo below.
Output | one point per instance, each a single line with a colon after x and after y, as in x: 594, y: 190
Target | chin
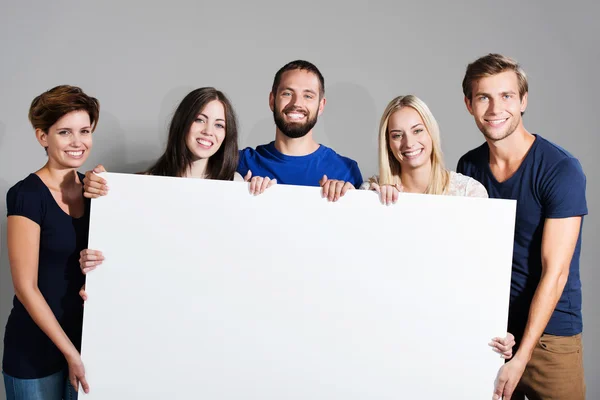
x: 204, y: 155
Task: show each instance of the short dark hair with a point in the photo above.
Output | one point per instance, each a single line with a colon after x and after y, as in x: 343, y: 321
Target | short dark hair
x: 302, y: 65
x: 53, y: 104
x: 177, y: 158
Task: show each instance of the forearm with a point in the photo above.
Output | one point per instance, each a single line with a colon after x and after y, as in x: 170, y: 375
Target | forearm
x: 42, y: 315
x: 543, y: 304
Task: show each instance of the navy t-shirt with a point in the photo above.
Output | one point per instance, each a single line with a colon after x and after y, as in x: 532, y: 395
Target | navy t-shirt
x: 28, y: 352
x: 549, y: 183
x: 267, y: 161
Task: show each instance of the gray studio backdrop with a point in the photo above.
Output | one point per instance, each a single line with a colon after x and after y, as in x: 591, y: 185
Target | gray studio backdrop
x: 139, y: 59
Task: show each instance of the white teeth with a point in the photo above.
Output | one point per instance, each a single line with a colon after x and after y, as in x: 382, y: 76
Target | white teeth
x: 204, y: 142
x: 412, y: 153
x: 497, y: 121
x: 295, y: 115
x: 75, y: 153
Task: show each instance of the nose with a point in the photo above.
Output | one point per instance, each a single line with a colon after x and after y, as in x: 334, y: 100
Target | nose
x: 494, y: 107
x: 76, y: 140
x: 208, y: 129
x: 297, y: 101
x: 409, y: 140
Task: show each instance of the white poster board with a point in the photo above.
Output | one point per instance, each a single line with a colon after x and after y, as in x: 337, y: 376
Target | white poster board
x: 208, y: 292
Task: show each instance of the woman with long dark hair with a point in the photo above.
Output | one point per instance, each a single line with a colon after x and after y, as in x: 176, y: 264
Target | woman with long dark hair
x: 202, y: 143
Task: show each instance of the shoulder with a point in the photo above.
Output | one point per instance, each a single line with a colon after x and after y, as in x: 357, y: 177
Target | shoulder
x: 475, y: 155
x: 259, y: 150
x: 553, y: 154
x: 462, y: 185
x: 328, y: 152
x: 27, y: 198
x: 554, y: 162
x: 31, y: 185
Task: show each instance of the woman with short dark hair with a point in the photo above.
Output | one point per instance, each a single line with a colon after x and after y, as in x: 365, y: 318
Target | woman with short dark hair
x: 48, y: 220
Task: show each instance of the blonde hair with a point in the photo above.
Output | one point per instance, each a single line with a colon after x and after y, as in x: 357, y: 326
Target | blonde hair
x: 389, y: 167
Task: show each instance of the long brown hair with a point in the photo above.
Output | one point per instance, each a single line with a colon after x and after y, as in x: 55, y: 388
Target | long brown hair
x: 177, y: 158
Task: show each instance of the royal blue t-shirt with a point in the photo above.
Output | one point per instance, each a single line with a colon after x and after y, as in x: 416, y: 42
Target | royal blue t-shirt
x: 550, y: 183
x: 267, y: 161
x: 28, y: 352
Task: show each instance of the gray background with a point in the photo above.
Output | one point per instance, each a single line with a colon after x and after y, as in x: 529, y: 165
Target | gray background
x: 139, y: 59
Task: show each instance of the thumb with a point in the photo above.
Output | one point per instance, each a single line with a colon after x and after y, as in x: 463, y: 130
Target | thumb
x: 323, y: 180
x: 499, y: 389
x: 248, y: 176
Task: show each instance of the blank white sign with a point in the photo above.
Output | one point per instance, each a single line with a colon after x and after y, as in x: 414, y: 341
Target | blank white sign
x: 208, y: 292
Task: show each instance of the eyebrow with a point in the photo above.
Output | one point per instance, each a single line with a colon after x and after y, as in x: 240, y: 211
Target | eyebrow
x: 412, y: 127
x: 488, y: 95
x: 69, y: 129
x: 304, y: 91
x: 206, y: 116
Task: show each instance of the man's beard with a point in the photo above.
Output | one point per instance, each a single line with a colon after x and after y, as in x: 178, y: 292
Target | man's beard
x: 293, y: 130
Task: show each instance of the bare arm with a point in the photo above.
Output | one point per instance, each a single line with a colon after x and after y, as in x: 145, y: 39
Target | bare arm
x: 558, y: 244
x: 23, y: 236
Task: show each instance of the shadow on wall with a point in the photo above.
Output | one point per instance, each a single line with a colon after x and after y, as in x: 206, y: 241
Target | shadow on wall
x: 262, y: 132
x: 168, y: 106
x: 351, y: 121
x: 110, y: 146
x: 6, y: 287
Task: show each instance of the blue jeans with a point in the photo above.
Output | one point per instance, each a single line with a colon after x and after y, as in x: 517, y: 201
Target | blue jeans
x: 52, y: 387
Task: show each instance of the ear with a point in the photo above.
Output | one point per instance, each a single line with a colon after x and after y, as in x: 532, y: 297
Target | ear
x: 524, y: 103
x: 42, y: 137
x: 322, y: 105
x: 468, y: 104
x: 271, y: 101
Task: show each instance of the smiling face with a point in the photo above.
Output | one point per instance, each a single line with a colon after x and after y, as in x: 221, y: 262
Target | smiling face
x: 69, y: 141
x: 207, y: 131
x: 296, y: 104
x: 496, y: 105
x: 409, y: 139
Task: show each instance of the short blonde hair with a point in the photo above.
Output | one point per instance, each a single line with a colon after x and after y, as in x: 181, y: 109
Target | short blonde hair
x: 389, y: 167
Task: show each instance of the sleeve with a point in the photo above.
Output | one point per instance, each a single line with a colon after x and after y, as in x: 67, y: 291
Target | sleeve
x: 563, y: 191
x: 356, y: 175
x: 475, y: 189
x: 25, y: 202
x: 242, y: 167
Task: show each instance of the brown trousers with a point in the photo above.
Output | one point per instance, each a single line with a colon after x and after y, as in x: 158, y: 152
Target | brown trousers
x: 555, y: 371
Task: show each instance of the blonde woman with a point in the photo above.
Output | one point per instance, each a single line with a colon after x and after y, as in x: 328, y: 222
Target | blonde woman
x: 410, y: 157
x: 411, y: 161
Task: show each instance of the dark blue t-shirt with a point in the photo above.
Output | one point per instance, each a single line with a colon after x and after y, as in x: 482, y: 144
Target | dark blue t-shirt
x: 267, y: 161
x: 28, y: 352
x: 549, y: 183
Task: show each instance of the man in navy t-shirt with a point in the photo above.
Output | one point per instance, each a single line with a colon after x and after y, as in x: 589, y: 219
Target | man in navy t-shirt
x: 295, y: 158
x: 549, y: 186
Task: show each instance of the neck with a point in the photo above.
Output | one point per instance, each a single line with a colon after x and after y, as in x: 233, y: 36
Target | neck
x: 57, y: 176
x: 295, y: 147
x: 512, y: 148
x: 416, y: 180
x: 197, y: 169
